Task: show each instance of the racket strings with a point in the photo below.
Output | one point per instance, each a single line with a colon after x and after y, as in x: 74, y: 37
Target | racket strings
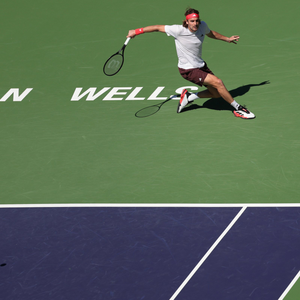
x: 113, y: 64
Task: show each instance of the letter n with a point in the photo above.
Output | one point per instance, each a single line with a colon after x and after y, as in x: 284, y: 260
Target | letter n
x: 16, y: 94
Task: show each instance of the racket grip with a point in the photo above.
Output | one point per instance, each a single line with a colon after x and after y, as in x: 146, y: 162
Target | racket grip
x: 127, y: 41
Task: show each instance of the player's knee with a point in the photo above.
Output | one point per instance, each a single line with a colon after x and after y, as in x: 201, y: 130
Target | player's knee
x: 215, y: 82
x: 218, y: 83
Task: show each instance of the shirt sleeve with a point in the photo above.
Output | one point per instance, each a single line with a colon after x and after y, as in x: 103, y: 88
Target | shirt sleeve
x: 172, y: 30
x: 205, y: 27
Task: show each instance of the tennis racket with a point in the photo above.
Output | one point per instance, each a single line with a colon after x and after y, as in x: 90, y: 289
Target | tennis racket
x: 151, y: 110
x: 114, y: 64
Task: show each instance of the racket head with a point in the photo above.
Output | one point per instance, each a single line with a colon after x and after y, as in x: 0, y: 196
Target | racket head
x: 114, y: 64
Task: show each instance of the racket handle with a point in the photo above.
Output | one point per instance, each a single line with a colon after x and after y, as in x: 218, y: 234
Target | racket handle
x: 127, y: 41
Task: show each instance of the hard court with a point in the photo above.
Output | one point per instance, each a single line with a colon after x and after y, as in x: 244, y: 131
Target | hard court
x: 96, y: 203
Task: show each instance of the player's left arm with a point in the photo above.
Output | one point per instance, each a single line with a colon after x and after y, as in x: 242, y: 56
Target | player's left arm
x: 217, y: 36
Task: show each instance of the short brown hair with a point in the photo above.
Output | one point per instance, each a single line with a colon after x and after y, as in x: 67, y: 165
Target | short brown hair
x: 189, y: 11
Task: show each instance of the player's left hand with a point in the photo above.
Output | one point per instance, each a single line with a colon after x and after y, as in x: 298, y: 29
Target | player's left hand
x: 233, y: 39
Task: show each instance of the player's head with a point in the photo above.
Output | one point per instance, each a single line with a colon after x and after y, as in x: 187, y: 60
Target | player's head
x: 192, y: 19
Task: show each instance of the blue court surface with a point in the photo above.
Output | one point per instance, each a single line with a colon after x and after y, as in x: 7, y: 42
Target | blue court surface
x: 148, y: 252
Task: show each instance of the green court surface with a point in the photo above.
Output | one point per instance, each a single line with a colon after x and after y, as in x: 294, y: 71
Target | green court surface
x: 294, y: 292
x: 54, y: 150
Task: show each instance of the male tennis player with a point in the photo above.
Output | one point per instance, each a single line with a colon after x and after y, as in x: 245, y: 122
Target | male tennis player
x: 189, y: 38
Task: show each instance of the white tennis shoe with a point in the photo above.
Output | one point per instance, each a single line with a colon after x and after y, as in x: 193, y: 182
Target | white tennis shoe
x: 183, y: 100
x: 244, y: 113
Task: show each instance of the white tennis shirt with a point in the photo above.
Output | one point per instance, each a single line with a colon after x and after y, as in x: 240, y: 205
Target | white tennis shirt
x: 188, y: 44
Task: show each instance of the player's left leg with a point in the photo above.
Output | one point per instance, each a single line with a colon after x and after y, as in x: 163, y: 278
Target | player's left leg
x: 187, y: 97
x: 210, y: 92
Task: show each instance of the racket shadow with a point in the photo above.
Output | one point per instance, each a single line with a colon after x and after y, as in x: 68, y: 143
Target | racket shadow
x: 152, y: 109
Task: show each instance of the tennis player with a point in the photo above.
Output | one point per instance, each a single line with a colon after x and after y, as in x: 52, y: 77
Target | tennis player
x: 189, y: 38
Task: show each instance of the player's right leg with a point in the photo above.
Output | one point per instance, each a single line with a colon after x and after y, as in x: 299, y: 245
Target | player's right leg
x: 216, y: 83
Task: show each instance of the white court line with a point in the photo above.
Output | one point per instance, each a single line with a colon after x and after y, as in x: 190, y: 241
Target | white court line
x: 187, y: 205
x: 290, y: 286
x: 208, y: 253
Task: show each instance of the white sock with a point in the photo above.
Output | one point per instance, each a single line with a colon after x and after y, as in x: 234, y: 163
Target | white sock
x: 235, y: 105
x: 193, y: 97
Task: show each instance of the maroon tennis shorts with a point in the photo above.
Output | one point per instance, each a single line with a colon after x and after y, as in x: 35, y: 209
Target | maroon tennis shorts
x: 196, y: 76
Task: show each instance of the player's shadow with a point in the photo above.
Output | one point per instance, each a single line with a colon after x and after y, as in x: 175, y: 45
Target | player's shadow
x: 221, y: 104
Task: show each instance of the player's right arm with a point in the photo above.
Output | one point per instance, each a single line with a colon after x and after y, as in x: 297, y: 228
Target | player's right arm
x: 152, y: 28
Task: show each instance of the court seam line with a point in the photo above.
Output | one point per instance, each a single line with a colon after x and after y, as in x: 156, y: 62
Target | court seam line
x: 290, y: 286
x: 211, y: 249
